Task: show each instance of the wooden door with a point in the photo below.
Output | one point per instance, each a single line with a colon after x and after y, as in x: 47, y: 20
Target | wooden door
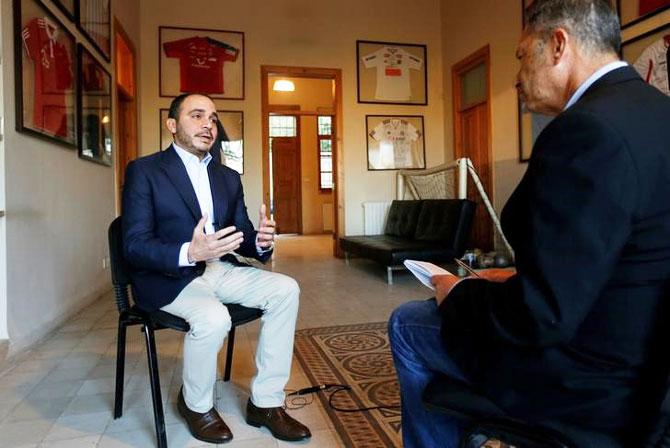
x: 286, y: 184
x: 472, y: 132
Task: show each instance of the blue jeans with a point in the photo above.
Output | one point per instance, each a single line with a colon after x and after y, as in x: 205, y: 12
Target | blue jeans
x: 418, y: 353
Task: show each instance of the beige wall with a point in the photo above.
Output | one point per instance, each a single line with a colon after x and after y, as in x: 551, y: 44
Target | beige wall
x: 467, y: 27
x: 314, y: 34
x: 58, y: 209
x: 314, y: 95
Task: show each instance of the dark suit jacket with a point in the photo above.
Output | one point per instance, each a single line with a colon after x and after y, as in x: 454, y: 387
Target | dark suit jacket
x: 160, y: 211
x: 572, y: 336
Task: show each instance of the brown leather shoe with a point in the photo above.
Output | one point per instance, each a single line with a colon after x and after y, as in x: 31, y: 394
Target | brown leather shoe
x: 208, y: 427
x: 280, y: 424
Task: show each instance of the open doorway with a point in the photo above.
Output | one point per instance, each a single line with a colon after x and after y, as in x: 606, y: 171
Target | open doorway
x: 300, y: 148
x: 126, y: 112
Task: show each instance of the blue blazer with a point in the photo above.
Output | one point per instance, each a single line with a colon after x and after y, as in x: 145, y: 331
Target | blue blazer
x: 160, y: 211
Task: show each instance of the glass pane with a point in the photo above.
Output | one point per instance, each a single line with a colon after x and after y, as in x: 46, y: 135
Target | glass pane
x: 473, y: 86
x: 326, y: 164
x: 282, y: 126
x: 326, y: 180
x: 326, y: 146
x: 325, y: 125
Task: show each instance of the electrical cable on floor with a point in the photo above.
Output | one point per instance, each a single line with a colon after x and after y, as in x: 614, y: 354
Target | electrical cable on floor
x: 297, y: 399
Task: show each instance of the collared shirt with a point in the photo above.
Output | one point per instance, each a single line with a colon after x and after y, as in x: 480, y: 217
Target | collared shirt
x: 602, y: 71
x: 199, y: 177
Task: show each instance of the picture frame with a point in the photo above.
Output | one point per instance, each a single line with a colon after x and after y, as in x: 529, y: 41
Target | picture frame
x: 68, y: 7
x: 392, y: 73
x: 632, y: 12
x: 94, y: 110
x: 642, y: 53
x: 199, y: 60
x: 45, y: 92
x: 395, y: 142
x: 94, y: 20
x: 531, y: 124
x: 231, y: 153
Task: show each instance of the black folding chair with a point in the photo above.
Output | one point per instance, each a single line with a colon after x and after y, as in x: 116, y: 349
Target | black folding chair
x: 150, y: 322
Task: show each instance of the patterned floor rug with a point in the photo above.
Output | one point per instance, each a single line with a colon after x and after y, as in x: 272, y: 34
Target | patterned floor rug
x: 357, y: 355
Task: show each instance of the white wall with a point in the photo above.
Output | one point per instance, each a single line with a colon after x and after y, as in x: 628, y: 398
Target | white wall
x: 306, y: 33
x: 58, y: 209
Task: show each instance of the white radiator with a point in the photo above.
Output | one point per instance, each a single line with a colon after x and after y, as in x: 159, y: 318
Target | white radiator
x: 374, y: 217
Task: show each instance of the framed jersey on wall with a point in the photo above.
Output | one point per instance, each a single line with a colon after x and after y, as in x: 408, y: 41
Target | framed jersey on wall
x: 45, y: 82
x: 649, y: 54
x: 94, y: 20
x: 94, y: 110
x: 196, y: 60
x: 395, y: 142
x: 391, y: 73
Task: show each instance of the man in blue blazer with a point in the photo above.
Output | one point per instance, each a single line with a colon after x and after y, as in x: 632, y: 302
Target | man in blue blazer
x: 183, y: 217
x: 578, y: 337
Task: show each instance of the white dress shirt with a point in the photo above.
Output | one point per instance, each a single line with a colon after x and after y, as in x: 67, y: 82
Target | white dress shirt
x: 199, y: 177
x: 602, y: 71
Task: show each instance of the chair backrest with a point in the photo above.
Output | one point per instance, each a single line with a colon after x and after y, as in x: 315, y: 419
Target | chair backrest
x: 118, y: 265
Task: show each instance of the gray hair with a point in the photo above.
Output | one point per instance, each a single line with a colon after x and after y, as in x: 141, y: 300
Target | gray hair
x: 592, y: 22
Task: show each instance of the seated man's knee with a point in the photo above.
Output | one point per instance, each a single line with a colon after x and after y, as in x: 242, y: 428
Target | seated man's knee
x: 288, y: 287
x: 214, y: 321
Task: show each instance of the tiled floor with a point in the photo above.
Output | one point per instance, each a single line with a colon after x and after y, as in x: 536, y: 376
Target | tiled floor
x: 61, y: 393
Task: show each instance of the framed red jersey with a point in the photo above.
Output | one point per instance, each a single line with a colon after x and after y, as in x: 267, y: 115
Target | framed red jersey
x: 45, y: 74
x: 206, y: 61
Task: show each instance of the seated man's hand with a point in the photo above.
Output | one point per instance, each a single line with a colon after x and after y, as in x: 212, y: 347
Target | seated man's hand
x: 266, y: 229
x: 496, y: 274
x: 443, y: 285
x: 205, y: 247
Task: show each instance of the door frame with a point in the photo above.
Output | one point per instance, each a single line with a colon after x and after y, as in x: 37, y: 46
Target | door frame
x: 481, y: 56
x: 334, y: 74
x: 121, y: 95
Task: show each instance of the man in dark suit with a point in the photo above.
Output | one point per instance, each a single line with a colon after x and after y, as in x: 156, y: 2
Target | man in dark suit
x: 571, y: 338
x: 183, y: 216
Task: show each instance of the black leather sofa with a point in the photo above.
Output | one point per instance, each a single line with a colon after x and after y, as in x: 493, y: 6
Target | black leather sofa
x: 435, y: 230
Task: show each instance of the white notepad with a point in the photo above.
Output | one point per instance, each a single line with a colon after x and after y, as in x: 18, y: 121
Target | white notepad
x: 424, y: 270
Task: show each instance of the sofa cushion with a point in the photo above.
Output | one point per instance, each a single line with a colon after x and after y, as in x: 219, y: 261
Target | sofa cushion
x: 392, y: 251
x: 441, y: 219
x: 402, y: 218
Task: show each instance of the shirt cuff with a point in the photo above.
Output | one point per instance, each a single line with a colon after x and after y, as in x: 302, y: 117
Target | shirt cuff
x: 183, y: 255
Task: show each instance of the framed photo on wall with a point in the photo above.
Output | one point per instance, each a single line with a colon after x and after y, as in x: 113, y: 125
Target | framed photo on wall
x: 395, y: 142
x: 635, y: 11
x: 648, y: 54
x: 531, y: 125
x: 391, y: 73
x: 231, y: 152
x: 67, y: 6
x: 94, y: 109
x: 193, y: 60
x: 45, y: 77
x: 94, y: 21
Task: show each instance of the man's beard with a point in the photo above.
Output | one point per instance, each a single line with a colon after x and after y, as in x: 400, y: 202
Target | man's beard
x: 187, y: 142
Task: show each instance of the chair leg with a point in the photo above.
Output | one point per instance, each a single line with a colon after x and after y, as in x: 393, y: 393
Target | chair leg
x: 159, y: 417
x: 120, y: 367
x: 389, y: 275
x: 229, y: 354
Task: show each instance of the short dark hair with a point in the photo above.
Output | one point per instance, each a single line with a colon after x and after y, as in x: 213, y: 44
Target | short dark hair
x: 175, y: 105
x: 592, y: 22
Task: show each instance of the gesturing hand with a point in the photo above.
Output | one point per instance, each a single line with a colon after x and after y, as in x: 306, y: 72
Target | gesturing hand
x: 266, y: 229
x: 204, y: 247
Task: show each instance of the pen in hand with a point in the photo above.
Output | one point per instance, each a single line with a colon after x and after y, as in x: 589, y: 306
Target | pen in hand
x: 467, y: 268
